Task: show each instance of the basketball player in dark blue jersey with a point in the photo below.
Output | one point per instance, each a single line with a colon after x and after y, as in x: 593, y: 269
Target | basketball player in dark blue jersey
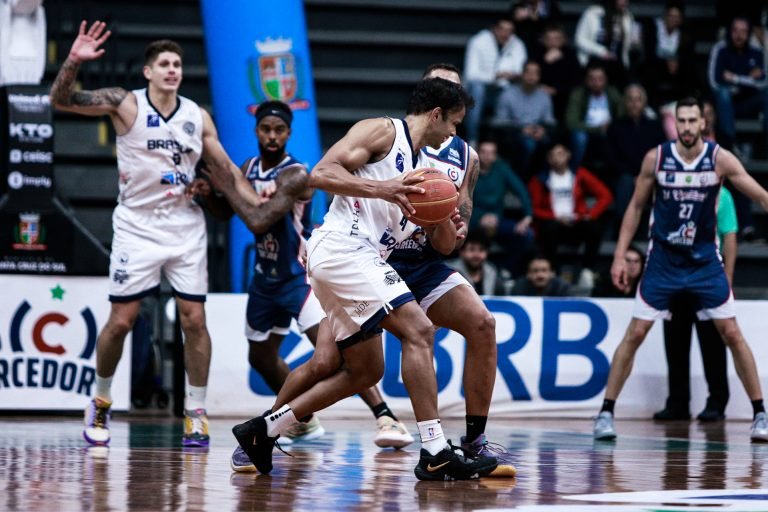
x: 684, y: 177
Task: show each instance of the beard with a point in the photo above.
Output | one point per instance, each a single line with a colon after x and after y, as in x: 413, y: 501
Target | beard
x: 692, y: 143
x: 271, y: 154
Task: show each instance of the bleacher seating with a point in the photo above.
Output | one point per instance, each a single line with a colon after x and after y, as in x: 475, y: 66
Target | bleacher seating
x: 366, y: 55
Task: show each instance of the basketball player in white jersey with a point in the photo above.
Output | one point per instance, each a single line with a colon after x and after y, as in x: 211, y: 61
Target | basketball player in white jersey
x: 157, y: 227
x: 360, y: 292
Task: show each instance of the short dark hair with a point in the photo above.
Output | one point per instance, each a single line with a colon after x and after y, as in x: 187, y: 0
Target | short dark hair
x: 690, y: 101
x: 438, y: 92
x: 477, y: 236
x: 440, y: 65
x: 155, y: 48
x: 593, y: 65
x: 274, y: 108
x: 539, y: 256
x: 675, y: 4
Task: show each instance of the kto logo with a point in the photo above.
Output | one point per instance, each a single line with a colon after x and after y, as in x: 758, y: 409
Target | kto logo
x: 56, y: 366
x: 30, y: 131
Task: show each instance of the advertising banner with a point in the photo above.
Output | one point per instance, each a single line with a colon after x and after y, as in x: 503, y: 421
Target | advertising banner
x: 48, y: 331
x: 258, y: 51
x: 553, y: 359
x: 30, y: 145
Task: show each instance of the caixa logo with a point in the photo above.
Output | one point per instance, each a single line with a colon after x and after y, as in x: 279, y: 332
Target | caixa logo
x: 53, y: 366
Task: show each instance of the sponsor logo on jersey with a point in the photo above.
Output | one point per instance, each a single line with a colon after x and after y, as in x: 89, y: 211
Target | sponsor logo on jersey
x: 684, y: 235
x: 355, y: 226
x: 391, y: 277
x: 669, y: 177
x: 174, y: 178
x: 400, y: 161
x: 153, y: 120
x: 120, y: 275
x: 188, y: 127
x: 275, y: 74
x: 268, y: 247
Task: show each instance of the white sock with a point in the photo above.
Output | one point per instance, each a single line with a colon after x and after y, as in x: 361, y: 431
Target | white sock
x: 195, y: 398
x: 280, y: 420
x: 104, y: 388
x: 432, y: 438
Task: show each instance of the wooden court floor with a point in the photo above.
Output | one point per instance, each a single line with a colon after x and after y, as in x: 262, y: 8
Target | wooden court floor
x: 45, y: 465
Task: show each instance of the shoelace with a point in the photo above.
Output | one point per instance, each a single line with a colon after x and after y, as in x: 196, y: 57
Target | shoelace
x: 100, y: 418
x: 277, y: 445
x: 495, y: 448
x: 197, y: 425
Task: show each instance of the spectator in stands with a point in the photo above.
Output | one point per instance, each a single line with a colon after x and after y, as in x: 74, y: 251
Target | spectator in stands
x: 678, y: 330
x: 635, y: 260
x: 494, y: 182
x: 606, y: 33
x: 473, y: 264
x: 493, y: 58
x: 22, y: 41
x: 738, y: 82
x: 524, y: 118
x: 561, y: 213
x: 531, y: 15
x: 560, y: 70
x: 629, y: 139
x: 591, y: 108
x: 540, y: 280
x: 668, y: 70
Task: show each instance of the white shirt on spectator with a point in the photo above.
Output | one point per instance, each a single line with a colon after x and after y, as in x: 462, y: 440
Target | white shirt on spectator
x: 561, y: 190
x: 598, y: 112
x: 483, y: 58
x: 22, y: 41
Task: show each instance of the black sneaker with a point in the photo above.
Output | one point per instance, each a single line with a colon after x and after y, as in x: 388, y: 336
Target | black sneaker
x: 451, y: 464
x: 253, y: 439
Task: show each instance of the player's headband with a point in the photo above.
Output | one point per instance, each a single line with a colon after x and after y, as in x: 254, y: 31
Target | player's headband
x: 286, y: 116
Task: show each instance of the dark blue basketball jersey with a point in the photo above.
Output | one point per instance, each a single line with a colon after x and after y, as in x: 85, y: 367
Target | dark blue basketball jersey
x: 684, y: 214
x: 278, y: 250
x: 452, y: 159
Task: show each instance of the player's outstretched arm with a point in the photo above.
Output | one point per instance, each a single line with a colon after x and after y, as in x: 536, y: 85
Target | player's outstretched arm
x: 730, y: 167
x: 257, y: 212
x: 100, y: 102
x: 367, y: 141
x: 643, y: 189
x: 466, y: 192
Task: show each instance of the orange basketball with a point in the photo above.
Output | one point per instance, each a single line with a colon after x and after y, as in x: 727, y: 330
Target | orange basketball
x: 438, y: 201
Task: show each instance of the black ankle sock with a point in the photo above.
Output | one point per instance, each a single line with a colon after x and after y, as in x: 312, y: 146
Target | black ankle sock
x: 382, y: 410
x: 608, y: 406
x: 757, y: 407
x: 475, y: 427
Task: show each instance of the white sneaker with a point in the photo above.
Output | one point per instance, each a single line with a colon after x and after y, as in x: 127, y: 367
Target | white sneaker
x: 759, y: 428
x: 304, y: 431
x: 604, y: 429
x: 97, y: 416
x: 391, y: 433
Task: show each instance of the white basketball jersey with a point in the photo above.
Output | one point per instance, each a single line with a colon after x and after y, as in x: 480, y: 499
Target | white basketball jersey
x: 376, y: 221
x: 156, y: 159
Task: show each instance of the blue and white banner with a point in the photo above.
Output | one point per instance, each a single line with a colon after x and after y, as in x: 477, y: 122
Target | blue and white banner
x: 48, y: 332
x: 553, y: 358
x: 258, y: 51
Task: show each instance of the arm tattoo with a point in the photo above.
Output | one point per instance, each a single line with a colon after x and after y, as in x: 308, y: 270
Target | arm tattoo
x: 109, y: 96
x: 63, y: 93
x: 465, y: 208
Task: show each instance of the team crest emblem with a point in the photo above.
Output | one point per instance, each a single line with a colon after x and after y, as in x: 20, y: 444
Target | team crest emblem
x: 153, y: 120
x: 29, y: 233
x: 275, y: 74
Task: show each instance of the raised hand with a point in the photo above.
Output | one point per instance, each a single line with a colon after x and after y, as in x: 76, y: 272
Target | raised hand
x: 86, y: 45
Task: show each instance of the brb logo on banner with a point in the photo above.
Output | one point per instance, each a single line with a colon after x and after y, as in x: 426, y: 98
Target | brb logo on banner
x: 276, y: 74
x: 49, y: 349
